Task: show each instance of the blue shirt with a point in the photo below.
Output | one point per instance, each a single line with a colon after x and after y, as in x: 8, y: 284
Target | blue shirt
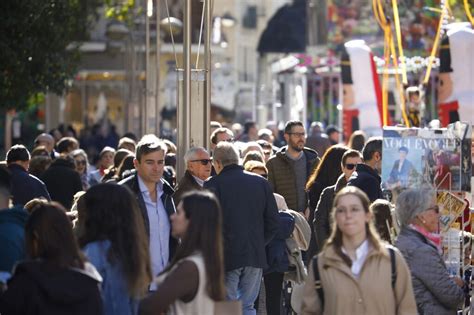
x: 115, y: 296
x: 159, y: 227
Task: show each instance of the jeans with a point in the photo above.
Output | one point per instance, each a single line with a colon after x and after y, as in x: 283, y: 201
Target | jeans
x: 244, y: 284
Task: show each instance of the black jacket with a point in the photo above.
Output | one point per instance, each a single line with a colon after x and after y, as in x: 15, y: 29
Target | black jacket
x: 26, y: 186
x: 38, y: 288
x: 62, y: 181
x: 322, y: 214
x: 132, y: 183
x: 368, y: 180
x: 186, y: 184
x: 250, y: 216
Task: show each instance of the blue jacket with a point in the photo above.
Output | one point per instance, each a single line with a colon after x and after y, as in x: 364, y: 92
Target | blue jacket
x: 12, y: 237
x: 250, y: 216
x: 277, y: 255
x: 26, y: 186
x: 115, y: 297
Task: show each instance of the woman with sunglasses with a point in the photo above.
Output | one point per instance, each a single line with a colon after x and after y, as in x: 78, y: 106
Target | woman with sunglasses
x: 322, y: 213
x: 82, y: 165
x: 356, y: 268
x: 436, y: 291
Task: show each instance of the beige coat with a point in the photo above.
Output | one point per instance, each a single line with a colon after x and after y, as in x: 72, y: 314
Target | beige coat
x: 371, y: 294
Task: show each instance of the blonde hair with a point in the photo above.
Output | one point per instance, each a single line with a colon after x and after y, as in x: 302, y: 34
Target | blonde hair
x: 335, y: 239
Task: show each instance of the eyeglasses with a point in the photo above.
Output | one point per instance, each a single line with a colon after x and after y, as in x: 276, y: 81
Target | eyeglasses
x: 435, y: 208
x: 203, y: 161
x: 350, y: 166
x: 229, y: 140
x: 81, y: 162
x: 297, y: 134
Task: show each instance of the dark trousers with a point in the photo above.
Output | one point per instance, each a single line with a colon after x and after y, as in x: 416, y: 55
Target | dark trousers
x: 273, y: 288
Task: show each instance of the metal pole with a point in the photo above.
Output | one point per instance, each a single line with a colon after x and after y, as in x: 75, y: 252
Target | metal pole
x: 184, y: 107
x: 208, y: 68
x: 157, y: 69
x: 147, y: 68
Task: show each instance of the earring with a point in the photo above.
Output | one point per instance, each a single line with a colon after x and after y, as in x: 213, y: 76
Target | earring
x: 424, y: 222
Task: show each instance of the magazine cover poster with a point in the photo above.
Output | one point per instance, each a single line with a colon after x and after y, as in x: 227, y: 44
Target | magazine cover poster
x: 402, y: 159
x: 438, y: 157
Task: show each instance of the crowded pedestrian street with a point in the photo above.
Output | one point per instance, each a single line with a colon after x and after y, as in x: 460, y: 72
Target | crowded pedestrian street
x: 237, y: 157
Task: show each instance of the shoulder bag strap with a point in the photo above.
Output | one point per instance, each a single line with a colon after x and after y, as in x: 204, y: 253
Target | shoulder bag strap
x: 394, y: 266
x: 317, y: 281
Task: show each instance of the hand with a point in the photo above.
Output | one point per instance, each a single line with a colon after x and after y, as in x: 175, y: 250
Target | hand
x: 306, y: 213
x: 459, y: 281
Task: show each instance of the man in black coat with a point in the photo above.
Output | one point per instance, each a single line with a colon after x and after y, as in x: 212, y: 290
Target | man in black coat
x: 62, y: 180
x: 366, y: 177
x: 250, y: 216
x: 198, y: 169
x: 24, y: 185
x: 154, y: 198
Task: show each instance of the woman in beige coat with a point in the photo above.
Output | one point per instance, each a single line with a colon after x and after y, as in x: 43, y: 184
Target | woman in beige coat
x: 355, y: 266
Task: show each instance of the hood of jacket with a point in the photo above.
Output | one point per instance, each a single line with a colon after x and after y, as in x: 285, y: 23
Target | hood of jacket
x: 340, y: 183
x: 61, y: 285
x: 16, y: 215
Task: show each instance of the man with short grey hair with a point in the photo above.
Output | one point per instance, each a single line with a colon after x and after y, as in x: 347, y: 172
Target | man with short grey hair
x: 198, y: 169
x: 250, y: 218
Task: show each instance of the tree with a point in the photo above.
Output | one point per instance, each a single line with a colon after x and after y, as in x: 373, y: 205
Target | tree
x: 37, y: 50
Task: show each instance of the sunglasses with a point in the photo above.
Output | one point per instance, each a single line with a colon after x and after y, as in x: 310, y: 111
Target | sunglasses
x: 435, y: 208
x: 203, y: 161
x: 350, y: 166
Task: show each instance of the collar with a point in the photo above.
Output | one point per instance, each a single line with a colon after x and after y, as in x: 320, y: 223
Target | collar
x: 16, y: 166
x: 292, y: 158
x: 341, y: 182
x: 361, y: 251
x: 144, y: 189
x: 199, y: 181
x: 365, y: 168
x: 232, y: 167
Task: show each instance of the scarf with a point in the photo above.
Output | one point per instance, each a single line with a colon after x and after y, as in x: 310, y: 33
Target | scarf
x: 433, y: 238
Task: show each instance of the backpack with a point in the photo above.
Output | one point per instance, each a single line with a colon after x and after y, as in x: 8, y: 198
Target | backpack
x: 319, y: 286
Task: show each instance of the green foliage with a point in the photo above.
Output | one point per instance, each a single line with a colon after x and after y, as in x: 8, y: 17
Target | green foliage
x: 121, y: 10
x: 36, y: 53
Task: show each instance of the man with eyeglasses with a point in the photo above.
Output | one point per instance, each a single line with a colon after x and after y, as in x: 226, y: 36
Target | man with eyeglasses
x: 198, y: 169
x: 154, y: 199
x: 322, y: 214
x: 289, y: 168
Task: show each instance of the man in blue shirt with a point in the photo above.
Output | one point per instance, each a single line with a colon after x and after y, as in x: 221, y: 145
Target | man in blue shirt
x: 154, y: 198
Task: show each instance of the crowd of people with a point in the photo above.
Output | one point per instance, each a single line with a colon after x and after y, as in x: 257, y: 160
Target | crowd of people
x: 262, y: 213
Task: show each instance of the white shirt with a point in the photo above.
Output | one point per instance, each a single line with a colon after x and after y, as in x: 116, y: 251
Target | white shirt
x: 159, y: 228
x: 361, y: 254
x: 199, y: 181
